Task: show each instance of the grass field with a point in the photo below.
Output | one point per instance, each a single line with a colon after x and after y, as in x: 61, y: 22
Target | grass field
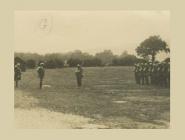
x: 108, y: 97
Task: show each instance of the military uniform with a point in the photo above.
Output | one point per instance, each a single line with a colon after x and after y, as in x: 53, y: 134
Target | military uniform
x: 136, y: 71
x: 161, y: 74
x: 165, y: 74
x: 41, y: 73
x: 156, y: 74
x: 17, y: 73
x: 150, y: 67
x: 153, y: 73
x: 168, y: 75
x: 79, y: 75
x: 142, y: 71
x: 146, y: 73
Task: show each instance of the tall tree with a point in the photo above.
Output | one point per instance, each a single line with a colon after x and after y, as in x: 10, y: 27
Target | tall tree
x: 151, y: 46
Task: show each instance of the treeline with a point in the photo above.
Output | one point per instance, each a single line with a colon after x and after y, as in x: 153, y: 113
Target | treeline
x: 71, y: 59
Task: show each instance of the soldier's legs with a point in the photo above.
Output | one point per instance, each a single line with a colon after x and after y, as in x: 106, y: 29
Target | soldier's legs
x: 152, y: 79
x: 79, y: 82
x: 16, y: 83
x: 165, y: 80
x: 149, y: 79
x: 168, y: 80
x: 161, y: 80
x: 137, y: 78
x: 157, y: 80
x: 40, y: 85
x: 142, y: 79
x: 146, y: 80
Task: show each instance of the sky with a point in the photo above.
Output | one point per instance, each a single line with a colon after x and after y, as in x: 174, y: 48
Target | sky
x: 89, y: 31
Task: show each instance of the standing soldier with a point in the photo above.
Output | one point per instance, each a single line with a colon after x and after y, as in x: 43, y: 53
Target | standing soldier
x: 136, y: 71
x: 79, y: 75
x: 165, y: 73
x: 142, y: 73
x: 168, y: 74
x: 139, y: 73
x: 155, y: 73
x: 150, y: 72
x: 146, y: 73
x: 17, y: 74
x: 41, y: 73
x: 160, y: 75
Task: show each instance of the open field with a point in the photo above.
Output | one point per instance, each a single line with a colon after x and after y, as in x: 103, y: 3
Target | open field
x: 109, y: 98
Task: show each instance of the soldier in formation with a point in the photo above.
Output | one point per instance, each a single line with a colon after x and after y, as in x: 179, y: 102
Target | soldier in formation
x: 41, y: 73
x: 153, y: 73
x: 17, y: 74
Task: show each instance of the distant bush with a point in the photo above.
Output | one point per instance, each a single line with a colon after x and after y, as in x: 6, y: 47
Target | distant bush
x: 71, y: 59
x: 59, y: 63
x: 51, y: 64
x: 128, y: 60
x: 92, y: 62
x: 30, y: 64
x: 73, y: 62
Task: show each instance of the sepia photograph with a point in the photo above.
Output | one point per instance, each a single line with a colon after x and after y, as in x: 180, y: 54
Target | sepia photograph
x: 104, y: 69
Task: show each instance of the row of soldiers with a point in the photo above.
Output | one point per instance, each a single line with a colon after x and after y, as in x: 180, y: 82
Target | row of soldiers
x: 41, y: 73
x: 156, y: 73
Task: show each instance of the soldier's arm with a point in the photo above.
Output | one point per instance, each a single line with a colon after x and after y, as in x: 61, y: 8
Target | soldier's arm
x: 20, y: 71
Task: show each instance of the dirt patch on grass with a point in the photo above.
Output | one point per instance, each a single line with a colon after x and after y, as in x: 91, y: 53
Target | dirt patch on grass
x: 39, y: 118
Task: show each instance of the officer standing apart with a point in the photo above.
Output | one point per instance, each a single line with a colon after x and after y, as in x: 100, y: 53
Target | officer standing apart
x: 17, y: 74
x: 79, y: 75
x: 41, y: 73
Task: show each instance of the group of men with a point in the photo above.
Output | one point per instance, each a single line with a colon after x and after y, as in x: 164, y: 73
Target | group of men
x: 18, y: 73
x: 154, y: 73
x: 41, y: 73
x: 145, y: 73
